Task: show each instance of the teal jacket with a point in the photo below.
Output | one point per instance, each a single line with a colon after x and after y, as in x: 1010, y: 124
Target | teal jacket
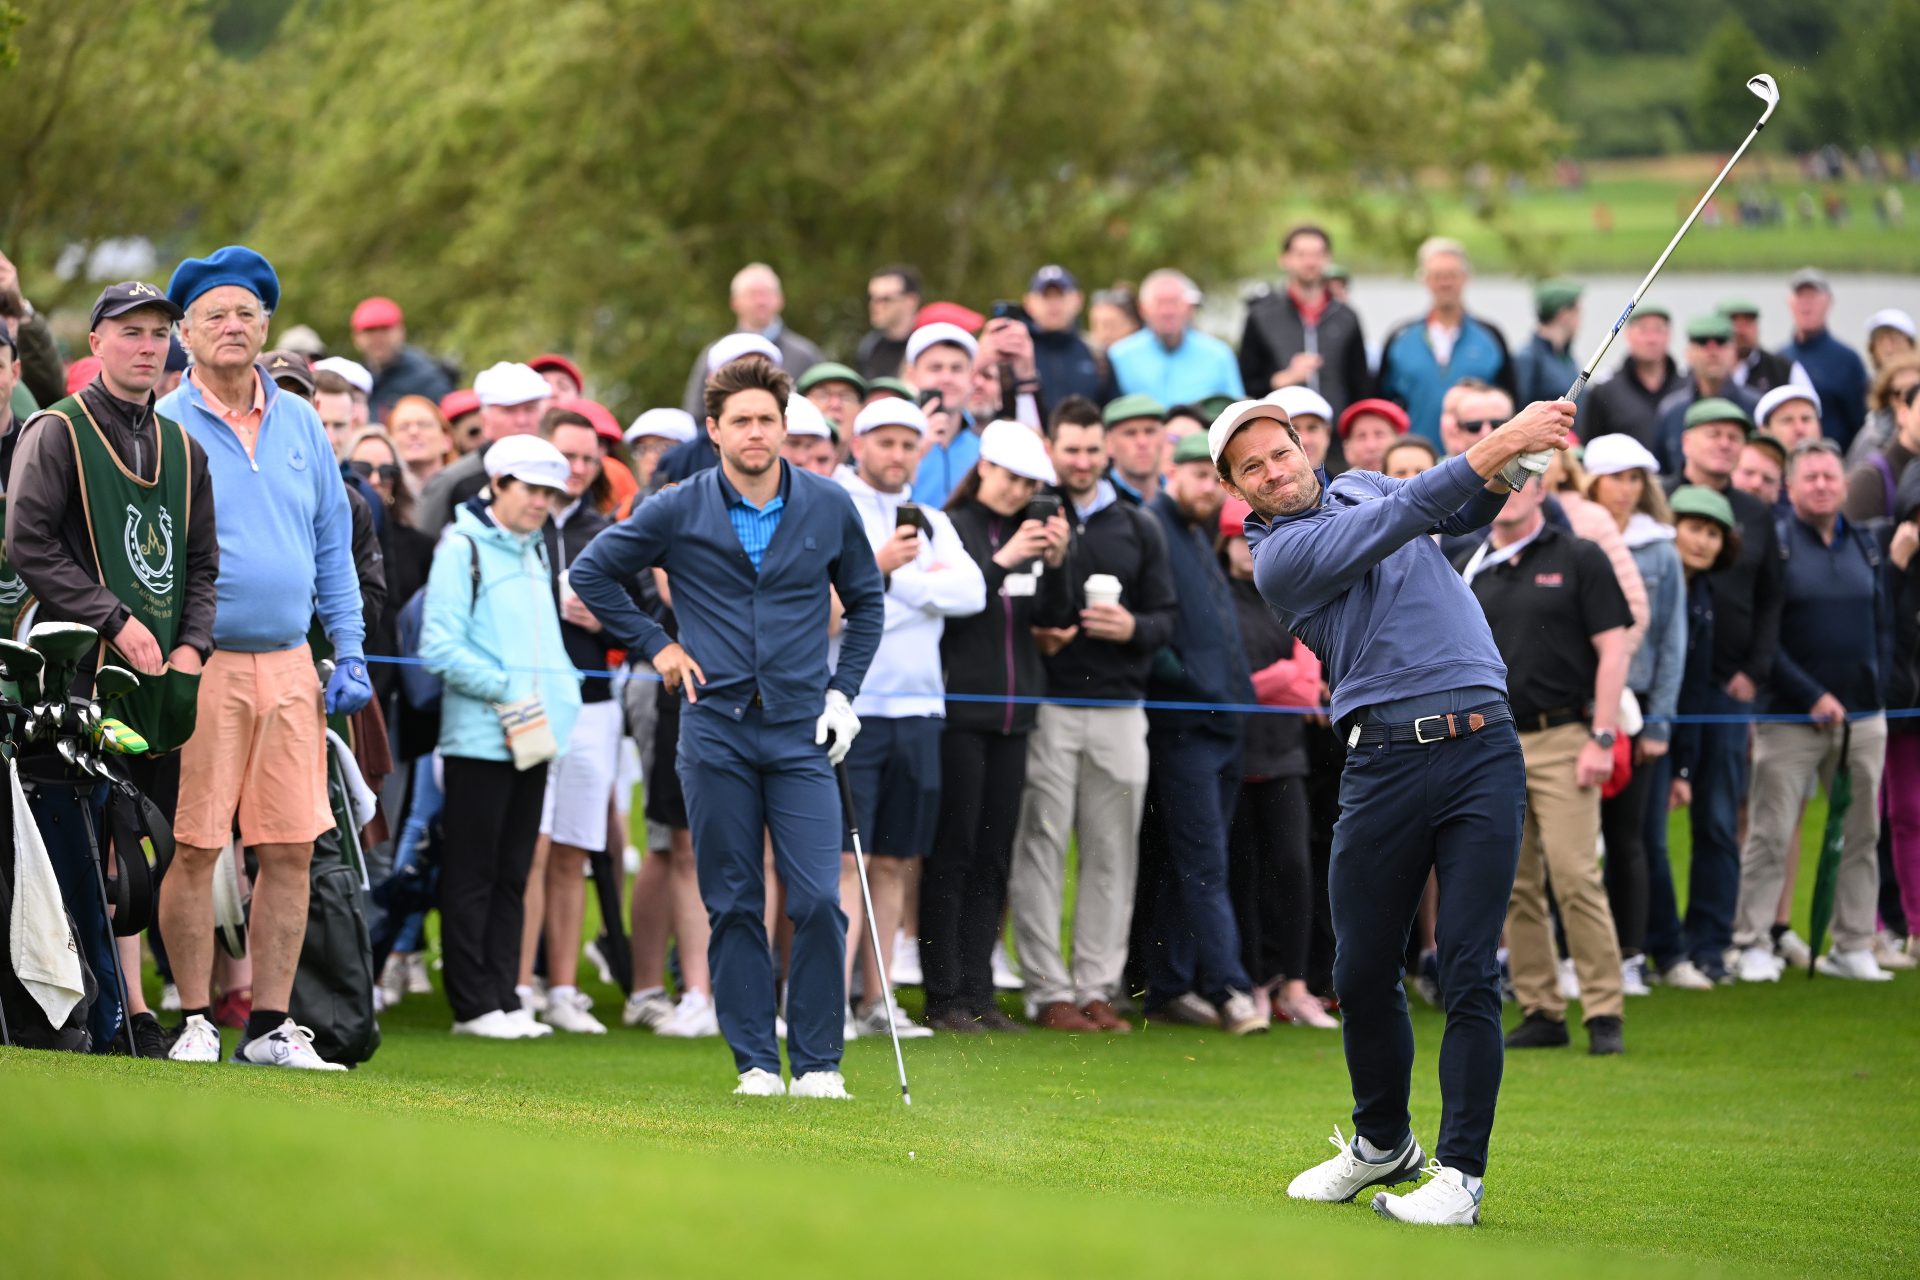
x: 495, y: 644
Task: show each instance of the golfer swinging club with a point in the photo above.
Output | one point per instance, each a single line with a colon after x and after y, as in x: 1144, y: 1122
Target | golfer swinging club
x: 1433, y: 781
x: 750, y: 548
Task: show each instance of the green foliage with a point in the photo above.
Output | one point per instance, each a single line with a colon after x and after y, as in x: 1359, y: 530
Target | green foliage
x: 1723, y: 110
x: 1888, y: 101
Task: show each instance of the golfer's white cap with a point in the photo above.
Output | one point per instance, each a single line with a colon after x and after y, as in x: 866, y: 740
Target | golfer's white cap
x: 1237, y: 415
x: 929, y: 335
x: 890, y: 412
x: 1890, y: 318
x: 528, y: 459
x: 1019, y: 449
x: 1609, y: 455
x: 805, y: 419
x: 669, y: 424
x: 357, y: 376
x: 735, y: 345
x: 1779, y: 396
x: 1299, y: 401
x: 510, y: 383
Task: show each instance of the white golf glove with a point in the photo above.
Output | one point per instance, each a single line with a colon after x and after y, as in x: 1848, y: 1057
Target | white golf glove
x: 837, y: 727
x: 1524, y: 467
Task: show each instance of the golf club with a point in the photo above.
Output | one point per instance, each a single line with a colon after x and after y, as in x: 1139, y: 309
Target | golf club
x: 22, y: 664
x: 873, y: 934
x: 1762, y: 87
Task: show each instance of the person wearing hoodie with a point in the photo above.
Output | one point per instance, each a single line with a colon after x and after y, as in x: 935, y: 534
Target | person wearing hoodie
x: 491, y: 632
x: 1064, y: 362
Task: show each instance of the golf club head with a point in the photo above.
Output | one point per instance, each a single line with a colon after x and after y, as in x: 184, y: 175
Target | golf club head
x: 111, y: 683
x: 69, y: 752
x: 22, y: 664
x: 64, y: 645
x: 1763, y: 88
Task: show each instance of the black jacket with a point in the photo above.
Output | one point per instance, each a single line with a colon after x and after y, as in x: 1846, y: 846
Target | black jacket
x: 1126, y: 542
x: 1747, y: 595
x: 992, y: 652
x: 586, y: 650
x: 1067, y: 367
x: 1204, y: 661
x: 1622, y: 405
x: 1274, y: 744
x: 1275, y: 334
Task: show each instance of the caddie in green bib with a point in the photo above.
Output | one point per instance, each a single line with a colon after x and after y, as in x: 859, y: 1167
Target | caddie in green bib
x: 14, y: 597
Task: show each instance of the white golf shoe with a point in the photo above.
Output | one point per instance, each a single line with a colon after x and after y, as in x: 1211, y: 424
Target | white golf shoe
x: 649, y: 1009
x: 1633, y: 977
x: 523, y: 1019
x: 1793, y: 949
x: 1441, y: 1201
x: 821, y: 1084
x: 1340, y: 1179
x: 755, y: 1083
x: 1891, y: 954
x: 1859, y: 966
x: 287, y: 1045
x: 1685, y: 975
x: 567, y: 1011
x: 692, y: 1019
x: 199, y: 1041
x: 491, y: 1025
x: 1758, y: 964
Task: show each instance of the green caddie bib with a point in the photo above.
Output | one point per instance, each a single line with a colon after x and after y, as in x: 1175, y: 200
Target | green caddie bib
x: 14, y: 597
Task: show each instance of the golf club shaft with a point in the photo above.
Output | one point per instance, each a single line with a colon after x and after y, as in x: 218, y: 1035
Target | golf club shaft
x: 873, y: 932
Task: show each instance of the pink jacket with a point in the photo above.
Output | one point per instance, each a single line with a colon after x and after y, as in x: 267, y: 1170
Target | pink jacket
x: 1590, y: 521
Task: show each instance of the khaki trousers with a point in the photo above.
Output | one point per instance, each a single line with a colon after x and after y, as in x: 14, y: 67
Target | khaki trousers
x: 1561, y: 844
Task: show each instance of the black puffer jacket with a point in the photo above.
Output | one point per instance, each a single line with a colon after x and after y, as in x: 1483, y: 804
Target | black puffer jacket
x: 992, y: 652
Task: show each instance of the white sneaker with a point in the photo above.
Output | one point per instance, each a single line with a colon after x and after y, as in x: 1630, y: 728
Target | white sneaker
x: 1241, y: 1017
x: 287, y: 1045
x: 755, y: 1083
x: 533, y: 999
x: 170, y: 998
x: 821, y: 1084
x: 873, y: 1022
x: 599, y: 961
x: 904, y: 969
x: 1441, y: 1201
x: 1859, y: 966
x: 393, y: 980
x: 1685, y: 975
x: 692, y: 1018
x: 1004, y: 977
x: 567, y: 1011
x: 850, y: 1026
x: 1891, y: 955
x: 649, y: 1009
x: 1633, y: 976
x: 419, y: 981
x: 199, y: 1041
x: 491, y: 1025
x: 1793, y: 948
x: 523, y: 1019
x: 1569, y: 980
x: 1340, y: 1179
x: 1758, y: 964
x: 1306, y: 1013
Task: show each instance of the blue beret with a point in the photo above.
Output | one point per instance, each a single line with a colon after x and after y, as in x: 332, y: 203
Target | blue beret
x: 235, y: 264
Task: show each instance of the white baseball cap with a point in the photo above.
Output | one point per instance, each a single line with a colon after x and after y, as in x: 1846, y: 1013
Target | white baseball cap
x: 669, y: 424
x: 929, y: 335
x: 1018, y: 448
x: 357, y: 376
x: 1892, y: 318
x: 1299, y: 400
x: 805, y: 419
x: 1609, y: 455
x: 735, y: 345
x: 510, y: 383
x: 890, y: 412
x: 1237, y: 415
x: 1779, y: 396
x: 528, y: 459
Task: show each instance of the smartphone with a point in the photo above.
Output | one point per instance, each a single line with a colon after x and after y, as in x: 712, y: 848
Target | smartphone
x: 909, y: 513
x: 1006, y: 310
x: 1042, y: 506
x: 932, y: 401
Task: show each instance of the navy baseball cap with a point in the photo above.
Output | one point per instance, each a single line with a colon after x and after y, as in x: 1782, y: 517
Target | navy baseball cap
x: 1052, y: 276
x: 129, y: 295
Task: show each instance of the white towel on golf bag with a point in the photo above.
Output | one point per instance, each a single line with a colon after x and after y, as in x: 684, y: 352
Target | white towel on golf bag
x: 45, y: 956
x: 365, y: 803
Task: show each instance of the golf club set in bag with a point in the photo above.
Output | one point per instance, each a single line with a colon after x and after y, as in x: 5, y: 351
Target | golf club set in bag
x: 78, y: 865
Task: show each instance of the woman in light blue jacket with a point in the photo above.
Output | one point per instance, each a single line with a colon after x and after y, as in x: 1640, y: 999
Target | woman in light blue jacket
x: 1623, y: 479
x: 491, y: 631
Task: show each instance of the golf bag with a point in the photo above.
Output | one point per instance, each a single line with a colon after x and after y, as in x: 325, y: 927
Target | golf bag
x: 333, y: 986
x: 25, y: 1023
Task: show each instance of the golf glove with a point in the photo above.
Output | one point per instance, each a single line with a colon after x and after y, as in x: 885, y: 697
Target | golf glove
x: 837, y: 727
x: 348, y: 689
x: 1524, y: 468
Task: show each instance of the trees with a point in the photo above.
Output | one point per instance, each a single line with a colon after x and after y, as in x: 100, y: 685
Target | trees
x: 1722, y: 107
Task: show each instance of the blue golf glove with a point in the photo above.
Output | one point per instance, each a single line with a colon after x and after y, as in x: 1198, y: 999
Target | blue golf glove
x: 348, y: 690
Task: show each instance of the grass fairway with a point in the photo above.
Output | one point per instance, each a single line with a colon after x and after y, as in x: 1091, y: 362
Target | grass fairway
x: 1747, y: 1131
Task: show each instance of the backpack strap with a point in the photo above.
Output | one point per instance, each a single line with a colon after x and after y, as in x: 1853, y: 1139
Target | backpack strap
x: 1887, y: 485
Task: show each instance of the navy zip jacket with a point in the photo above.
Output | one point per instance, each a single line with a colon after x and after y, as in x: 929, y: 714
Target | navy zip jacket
x: 1836, y: 625
x: 1205, y: 661
x: 757, y: 636
x: 1357, y: 580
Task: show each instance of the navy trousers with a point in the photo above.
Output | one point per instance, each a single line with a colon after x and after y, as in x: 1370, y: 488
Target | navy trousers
x: 1713, y: 877
x: 1454, y: 808
x: 1195, y: 939
x: 743, y: 778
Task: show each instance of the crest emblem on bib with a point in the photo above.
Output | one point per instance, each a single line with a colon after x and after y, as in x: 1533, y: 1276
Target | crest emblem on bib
x: 12, y: 589
x: 149, y: 548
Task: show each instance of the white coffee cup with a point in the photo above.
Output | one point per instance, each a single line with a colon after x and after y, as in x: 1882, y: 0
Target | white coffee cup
x: 1102, y: 588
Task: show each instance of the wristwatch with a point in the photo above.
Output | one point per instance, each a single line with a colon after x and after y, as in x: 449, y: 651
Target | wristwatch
x: 1605, y: 737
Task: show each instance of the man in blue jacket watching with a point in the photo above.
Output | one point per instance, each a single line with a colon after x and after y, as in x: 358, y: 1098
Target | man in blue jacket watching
x: 750, y: 549
x: 1433, y: 781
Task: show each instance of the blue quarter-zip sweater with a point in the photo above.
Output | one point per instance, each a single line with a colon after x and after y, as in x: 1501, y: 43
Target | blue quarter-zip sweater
x: 286, y: 536
x: 755, y: 634
x: 1356, y: 579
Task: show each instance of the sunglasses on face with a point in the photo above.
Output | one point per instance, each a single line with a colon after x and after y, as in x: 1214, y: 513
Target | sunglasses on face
x: 1710, y: 342
x: 881, y: 299
x: 1478, y: 425
x: 386, y: 472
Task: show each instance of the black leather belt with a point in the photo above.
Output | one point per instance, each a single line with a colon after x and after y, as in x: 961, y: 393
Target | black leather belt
x: 1430, y: 729
x: 1534, y: 721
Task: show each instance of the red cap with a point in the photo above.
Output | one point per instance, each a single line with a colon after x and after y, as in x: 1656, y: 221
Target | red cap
x: 950, y: 313
x: 377, y: 313
x: 604, y: 424
x: 81, y: 372
x: 1233, y: 518
x: 1384, y: 408
x: 458, y: 404
x: 554, y: 360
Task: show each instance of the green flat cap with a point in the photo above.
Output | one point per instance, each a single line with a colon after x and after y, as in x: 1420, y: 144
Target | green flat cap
x: 1654, y: 309
x: 830, y: 371
x: 1698, y: 500
x: 1715, y: 409
x: 1192, y: 448
x: 1551, y: 297
x: 893, y: 387
x: 1134, y: 406
x: 1214, y: 406
x: 1738, y: 307
x: 1712, y: 325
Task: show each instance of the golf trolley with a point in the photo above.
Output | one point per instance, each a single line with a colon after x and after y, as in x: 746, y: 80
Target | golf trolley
x: 57, y: 729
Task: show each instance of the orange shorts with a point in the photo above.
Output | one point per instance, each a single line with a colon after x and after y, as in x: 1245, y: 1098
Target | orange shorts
x: 259, y: 750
